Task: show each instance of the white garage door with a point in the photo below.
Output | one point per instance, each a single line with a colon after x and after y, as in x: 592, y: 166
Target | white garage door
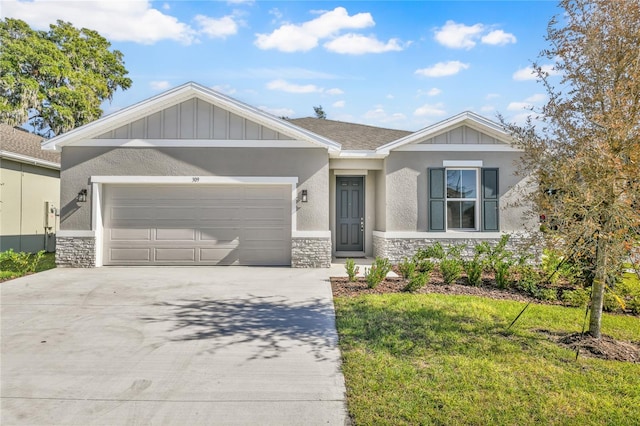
x: 197, y: 225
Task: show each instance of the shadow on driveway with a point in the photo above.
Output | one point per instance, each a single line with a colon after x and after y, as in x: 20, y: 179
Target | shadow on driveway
x: 272, y: 324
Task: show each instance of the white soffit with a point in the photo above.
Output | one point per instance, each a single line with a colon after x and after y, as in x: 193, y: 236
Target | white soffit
x: 175, y: 96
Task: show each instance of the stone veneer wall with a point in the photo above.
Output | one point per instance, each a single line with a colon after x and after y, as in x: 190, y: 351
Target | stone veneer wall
x: 308, y: 252
x: 396, y: 249
x: 75, y: 252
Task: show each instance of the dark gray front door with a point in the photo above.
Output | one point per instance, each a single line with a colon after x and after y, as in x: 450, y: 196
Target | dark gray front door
x: 349, y: 213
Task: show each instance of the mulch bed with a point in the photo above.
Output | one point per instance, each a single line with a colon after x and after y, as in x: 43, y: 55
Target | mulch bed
x: 604, y: 348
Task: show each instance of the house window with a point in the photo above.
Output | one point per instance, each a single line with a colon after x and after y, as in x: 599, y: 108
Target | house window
x: 462, y: 198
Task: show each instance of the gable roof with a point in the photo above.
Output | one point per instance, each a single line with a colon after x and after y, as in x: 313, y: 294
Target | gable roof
x: 180, y: 94
x: 350, y: 135
x: 467, y: 118
x: 19, y: 145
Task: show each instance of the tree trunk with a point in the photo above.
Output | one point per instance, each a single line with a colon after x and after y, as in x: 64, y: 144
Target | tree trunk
x: 598, y: 287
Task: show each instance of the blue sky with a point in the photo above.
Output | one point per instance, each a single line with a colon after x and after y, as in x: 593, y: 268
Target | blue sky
x: 393, y: 64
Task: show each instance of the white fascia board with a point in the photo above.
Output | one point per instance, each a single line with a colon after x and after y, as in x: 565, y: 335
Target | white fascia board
x: 174, y: 97
x: 468, y: 118
x: 358, y: 154
x: 197, y: 180
x: 197, y: 143
x: 29, y: 160
x: 458, y: 148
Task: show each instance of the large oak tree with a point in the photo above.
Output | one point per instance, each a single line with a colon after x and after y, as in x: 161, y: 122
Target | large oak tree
x: 586, y: 152
x: 56, y: 80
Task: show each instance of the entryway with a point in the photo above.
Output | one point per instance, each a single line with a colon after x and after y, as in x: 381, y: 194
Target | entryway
x: 349, y: 216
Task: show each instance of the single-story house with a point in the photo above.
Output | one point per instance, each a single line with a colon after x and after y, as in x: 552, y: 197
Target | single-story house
x: 194, y: 177
x: 29, y: 192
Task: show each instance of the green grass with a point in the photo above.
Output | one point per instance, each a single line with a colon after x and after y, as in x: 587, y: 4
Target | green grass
x: 10, y: 270
x: 439, y: 359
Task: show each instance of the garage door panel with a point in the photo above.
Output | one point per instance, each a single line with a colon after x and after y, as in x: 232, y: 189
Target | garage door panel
x: 192, y: 225
x: 178, y: 234
x: 175, y: 255
x: 129, y: 255
x: 130, y: 234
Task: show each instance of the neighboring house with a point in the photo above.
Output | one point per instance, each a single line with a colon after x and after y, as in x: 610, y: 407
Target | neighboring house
x: 29, y: 192
x: 193, y: 177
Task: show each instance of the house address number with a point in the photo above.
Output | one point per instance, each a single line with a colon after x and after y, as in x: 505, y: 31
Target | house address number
x: 195, y: 179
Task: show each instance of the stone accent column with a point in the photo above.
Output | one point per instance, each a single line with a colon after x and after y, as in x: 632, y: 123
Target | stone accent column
x: 310, y: 252
x: 75, y: 252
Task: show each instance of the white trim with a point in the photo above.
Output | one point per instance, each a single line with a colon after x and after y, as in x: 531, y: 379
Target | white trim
x: 97, y: 222
x: 29, y: 160
x: 458, y: 147
x: 358, y: 154
x: 175, y: 96
x: 439, y: 235
x: 347, y: 172
x: 311, y: 234
x: 71, y: 233
x: 471, y: 119
x: 462, y: 163
x: 197, y: 180
x: 197, y: 143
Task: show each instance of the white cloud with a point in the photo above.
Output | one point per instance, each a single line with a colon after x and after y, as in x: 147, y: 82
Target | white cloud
x: 226, y: 89
x: 278, y: 112
x: 217, y: 27
x: 487, y: 108
x: 519, y: 106
x: 305, y: 36
x: 379, y: 115
x: 537, y: 98
x: 442, y: 69
x: 339, y: 104
x: 390, y: 96
x: 159, y: 85
x: 528, y: 73
x: 430, y: 110
x: 334, y: 91
x: 285, y: 86
x: 499, y: 38
x: 166, y: 6
x: 135, y: 21
x: 357, y: 44
x: 434, y: 91
x: 288, y: 73
x: 458, y: 36
x: 492, y: 96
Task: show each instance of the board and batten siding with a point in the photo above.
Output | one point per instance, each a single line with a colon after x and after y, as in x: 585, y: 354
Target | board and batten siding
x: 194, y: 119
x: 462, y: 135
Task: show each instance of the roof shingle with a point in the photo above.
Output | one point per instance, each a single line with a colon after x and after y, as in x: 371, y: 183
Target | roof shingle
x: 19, y: 141
x: 350, y: 135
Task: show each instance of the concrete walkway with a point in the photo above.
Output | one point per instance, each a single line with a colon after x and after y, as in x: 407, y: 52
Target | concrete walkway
x: 225, y: 345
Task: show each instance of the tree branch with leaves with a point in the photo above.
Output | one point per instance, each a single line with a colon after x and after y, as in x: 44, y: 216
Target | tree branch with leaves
x: 585, y: 153
x: 56, y: 80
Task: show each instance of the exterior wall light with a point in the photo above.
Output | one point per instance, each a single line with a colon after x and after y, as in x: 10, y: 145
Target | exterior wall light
x: 304, y: 197
x: 82, y: 196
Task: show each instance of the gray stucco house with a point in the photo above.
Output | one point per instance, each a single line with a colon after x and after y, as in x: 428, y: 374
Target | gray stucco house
x: 194, y: 177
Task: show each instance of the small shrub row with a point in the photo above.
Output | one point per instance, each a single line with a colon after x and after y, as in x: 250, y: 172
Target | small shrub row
x: 15, y: 264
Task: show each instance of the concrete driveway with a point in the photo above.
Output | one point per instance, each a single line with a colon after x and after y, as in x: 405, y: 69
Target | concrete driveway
x: 221, y: 345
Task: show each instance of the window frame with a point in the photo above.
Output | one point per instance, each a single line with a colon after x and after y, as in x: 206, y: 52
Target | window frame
x: 476, y: 200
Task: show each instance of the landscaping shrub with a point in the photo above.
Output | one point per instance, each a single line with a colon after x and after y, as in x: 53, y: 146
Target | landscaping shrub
x: 450, y: 269
x: 352, y: 269
x: 377, y: 272
x: 20, y: 262
x: 416, y: 282
x: 473, y: 269
x: 576, y: 298
x: 435, y: 251
x: 425, y: 266
x: 502, y: 271
x: 407, y: 268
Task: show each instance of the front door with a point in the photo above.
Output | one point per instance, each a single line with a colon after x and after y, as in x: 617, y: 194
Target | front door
x: 349, y: 213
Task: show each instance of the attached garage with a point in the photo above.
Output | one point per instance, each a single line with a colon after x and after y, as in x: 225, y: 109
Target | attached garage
x: 229, y: 224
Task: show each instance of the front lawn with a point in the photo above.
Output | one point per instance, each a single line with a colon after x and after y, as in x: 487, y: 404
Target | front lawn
x: 443, y: 359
